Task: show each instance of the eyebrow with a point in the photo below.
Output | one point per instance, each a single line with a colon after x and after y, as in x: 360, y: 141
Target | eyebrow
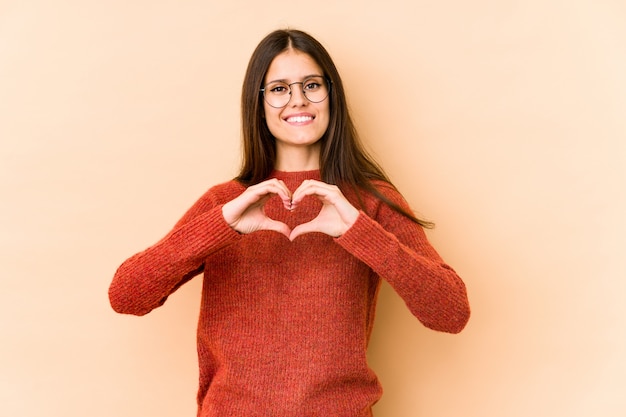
x: 286, y: 81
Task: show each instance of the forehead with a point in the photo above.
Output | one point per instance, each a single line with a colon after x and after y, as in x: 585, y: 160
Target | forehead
x: 292, y: 65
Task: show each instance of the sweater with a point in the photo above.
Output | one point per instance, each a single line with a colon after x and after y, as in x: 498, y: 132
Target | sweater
x: 284, y: 326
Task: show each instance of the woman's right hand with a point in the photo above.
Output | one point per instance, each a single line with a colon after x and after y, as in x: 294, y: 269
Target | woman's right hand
x: 246, y: 213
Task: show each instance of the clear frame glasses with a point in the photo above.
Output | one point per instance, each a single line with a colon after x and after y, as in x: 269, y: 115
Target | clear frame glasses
x: 278, y: 93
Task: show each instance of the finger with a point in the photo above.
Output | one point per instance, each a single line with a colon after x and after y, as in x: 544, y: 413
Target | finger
x: 330, y: 195
x: 255, y: 195
x: 268, y: 188
x: 307, y: 184
x: 272, y: 186
x: 234, y: 209
x: 316, y: 188
x: 284, y: 194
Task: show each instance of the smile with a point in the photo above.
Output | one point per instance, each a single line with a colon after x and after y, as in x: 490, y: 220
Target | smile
x: 299, y: 119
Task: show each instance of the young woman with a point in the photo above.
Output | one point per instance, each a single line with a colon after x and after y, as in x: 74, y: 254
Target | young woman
x: 293, y: 251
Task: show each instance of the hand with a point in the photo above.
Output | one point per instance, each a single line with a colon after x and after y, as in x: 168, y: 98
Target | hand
x: 246, y: 213
x: 336, y: 216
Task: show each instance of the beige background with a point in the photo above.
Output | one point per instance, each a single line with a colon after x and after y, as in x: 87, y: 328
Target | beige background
x: 503, y: 121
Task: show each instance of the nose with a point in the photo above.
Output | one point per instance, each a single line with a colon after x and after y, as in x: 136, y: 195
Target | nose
x: 297, y: 95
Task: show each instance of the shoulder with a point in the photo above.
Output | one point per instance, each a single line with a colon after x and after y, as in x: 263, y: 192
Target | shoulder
x: 386, y: 188
x: 224, y: 192
x: 390, y: 192
x: 215, y: 196
x: 373, y: 201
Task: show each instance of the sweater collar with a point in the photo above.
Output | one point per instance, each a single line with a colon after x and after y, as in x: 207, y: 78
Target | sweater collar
x: 296, y: 175
x: 293, y: 179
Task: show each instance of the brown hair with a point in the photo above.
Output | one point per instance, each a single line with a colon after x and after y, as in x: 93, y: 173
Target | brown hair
x: 343, y: 160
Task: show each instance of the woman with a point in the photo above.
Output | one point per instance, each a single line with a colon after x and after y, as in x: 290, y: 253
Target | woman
x: 293, y: 252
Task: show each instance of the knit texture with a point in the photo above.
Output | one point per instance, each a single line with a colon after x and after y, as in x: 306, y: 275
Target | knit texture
x: 284, y: 326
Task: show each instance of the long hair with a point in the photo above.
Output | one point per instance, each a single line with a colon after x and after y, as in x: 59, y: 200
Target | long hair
x: 343, y: 159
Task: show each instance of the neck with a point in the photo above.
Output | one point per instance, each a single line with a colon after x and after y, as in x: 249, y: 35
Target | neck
x: 301, y: 158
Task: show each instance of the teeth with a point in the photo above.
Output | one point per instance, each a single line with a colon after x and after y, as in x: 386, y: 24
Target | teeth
x: 299, y: 119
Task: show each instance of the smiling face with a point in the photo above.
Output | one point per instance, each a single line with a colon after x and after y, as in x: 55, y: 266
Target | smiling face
x: 301, y: 123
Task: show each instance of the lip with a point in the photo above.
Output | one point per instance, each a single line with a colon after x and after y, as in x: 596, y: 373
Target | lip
x: 299, y: 118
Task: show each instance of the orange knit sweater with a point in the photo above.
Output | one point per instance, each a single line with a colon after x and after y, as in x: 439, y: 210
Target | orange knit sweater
x: 284, y: 326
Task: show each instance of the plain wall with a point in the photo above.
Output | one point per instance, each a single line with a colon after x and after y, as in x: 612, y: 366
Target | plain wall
x: 502, y: 121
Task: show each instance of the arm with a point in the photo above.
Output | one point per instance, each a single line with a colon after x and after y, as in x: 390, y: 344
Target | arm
x: 398, y: 251
x: 145, y: 280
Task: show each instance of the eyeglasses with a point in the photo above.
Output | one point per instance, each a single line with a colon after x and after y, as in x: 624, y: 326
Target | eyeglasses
x: 278, y: 93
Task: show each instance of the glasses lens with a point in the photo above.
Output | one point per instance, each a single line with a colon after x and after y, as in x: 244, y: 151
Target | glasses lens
x: 277, y: 94
x: 315, y: 89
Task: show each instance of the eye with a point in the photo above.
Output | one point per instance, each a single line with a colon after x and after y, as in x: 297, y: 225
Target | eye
x: 278, y: 89
x: 312, y: 85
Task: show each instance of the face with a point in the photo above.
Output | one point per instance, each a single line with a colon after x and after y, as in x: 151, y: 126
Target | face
x: 301, y: 122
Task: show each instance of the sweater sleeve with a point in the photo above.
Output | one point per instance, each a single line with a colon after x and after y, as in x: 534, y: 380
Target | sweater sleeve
x: 145, y: 280
x: 398, y: 250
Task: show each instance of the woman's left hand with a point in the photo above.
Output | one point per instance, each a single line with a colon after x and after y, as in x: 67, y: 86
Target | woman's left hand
x: 336, y: 216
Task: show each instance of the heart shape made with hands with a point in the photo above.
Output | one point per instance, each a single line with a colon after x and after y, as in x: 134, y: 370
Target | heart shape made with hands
x: 246, y: 213
x: 327, y: 221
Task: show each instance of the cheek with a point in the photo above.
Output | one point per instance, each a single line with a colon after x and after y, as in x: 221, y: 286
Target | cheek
x: 266, y: 109
x: 271, y: 127
x: 326, y: 117
x: 271, y: 119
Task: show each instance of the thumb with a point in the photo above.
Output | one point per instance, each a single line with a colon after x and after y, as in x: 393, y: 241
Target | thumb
x: 303, y: 229
x: 279, y: 227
